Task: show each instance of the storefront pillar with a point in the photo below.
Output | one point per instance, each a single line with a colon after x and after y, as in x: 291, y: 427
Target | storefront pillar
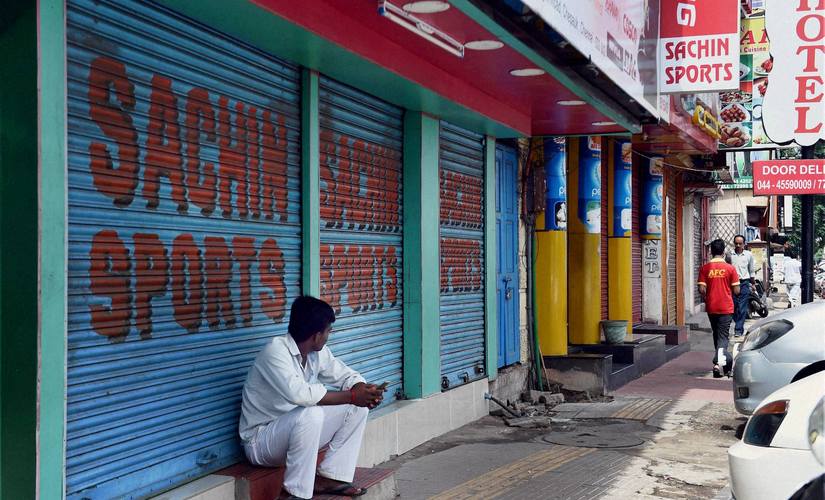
x: 551, y: 253
x: 619, y: 209
x: 32, y: 250
x: 422, y: 366
x: 490, y: 303
x: 310, y: 185
x: 584, y: 239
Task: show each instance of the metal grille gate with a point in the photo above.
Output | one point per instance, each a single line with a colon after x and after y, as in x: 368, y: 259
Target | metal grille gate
x: 361, y: 230
x: 672, y: 243
x: 698, y: 244
x: 725, y: 226
x: 184, y: 240
x: 461, y: 160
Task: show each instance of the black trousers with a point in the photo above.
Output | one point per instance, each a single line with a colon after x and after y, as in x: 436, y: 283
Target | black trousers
x: 720, y: 324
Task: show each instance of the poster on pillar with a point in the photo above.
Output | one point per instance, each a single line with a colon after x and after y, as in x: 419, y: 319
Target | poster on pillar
x: 652, y: 195
x: 590, y: 184
x: 622, y: 189
x: 555, y: 162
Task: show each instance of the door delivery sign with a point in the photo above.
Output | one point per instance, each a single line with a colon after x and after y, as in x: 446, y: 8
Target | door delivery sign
x: 789, y: 177
x: 699, y: 45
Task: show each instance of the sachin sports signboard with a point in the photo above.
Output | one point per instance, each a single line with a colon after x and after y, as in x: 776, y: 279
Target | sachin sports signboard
x: 698, y: 46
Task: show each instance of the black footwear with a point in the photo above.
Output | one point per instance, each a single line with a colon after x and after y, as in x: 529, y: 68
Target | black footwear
x: 717, y: 372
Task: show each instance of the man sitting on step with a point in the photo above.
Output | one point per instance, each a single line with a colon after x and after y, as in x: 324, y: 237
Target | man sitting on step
x: 287, y: 414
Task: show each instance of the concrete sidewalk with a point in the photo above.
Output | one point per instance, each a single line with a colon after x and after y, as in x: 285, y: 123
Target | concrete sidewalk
x: 664, y: 435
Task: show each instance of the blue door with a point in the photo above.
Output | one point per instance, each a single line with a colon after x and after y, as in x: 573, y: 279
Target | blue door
x: 507, y: 291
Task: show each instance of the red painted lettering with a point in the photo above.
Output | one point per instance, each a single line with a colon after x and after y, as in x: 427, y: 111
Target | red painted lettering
x: 810, y: 56
x: 243, y: 249
x: 200, y: 177
x: 274, y: 166
x: 802, y: 126
x: 233, y: 143
x: 151, y: 278
x: 163, y: 153
x: 218, y: 270
x: 119, y: 182
x: 271, y: 269
x: 109, y: 277
x: 187, y: 282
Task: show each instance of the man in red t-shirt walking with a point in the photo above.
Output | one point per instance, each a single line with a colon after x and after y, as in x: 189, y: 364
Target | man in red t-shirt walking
x: 718, y: 282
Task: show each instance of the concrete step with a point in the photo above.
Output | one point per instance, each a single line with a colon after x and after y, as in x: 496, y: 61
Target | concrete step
x: 674, y: 351
x: 621, y: 375
x: 674, y: 334
x: 265, y: 483
x: 580, y: 371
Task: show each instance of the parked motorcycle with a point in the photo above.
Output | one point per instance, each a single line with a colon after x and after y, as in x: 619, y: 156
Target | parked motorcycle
x: 758, y: 301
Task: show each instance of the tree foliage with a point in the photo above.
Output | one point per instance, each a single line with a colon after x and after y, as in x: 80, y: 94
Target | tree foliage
x: 795, y: 234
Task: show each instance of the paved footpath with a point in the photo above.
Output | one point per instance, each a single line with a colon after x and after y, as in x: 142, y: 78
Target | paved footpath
x: 663, y: 436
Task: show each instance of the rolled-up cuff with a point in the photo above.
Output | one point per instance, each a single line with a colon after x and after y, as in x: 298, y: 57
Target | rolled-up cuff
x: 352, y: 381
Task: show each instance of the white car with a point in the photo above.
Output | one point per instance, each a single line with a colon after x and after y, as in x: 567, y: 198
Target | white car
x: 774, y: 457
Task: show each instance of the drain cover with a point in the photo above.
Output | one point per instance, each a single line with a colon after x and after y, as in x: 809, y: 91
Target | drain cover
x: 598, y: 433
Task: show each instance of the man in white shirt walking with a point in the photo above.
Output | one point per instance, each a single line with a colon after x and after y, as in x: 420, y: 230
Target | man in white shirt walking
x: 287, y: 414
x: 793, y: 278
x: 742, y: 260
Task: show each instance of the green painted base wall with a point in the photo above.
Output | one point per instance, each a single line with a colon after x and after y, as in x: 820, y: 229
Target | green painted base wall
x: 18, y: 254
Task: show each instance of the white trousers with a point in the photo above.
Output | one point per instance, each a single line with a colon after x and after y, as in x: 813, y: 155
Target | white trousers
x: 795, y: 294
x: 295, y: 438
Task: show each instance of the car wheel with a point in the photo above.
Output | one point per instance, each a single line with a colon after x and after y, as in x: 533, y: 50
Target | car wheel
x: 809, y: 370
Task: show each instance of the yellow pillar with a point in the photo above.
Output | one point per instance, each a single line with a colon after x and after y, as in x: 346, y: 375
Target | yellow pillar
x: 551, y: 254
x: 584, y: 238
x: 620, y: 276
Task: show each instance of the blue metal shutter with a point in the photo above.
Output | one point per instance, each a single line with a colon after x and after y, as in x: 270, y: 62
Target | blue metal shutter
x: 361, y: 230
x: 461, y: 159
x: 184, y: 240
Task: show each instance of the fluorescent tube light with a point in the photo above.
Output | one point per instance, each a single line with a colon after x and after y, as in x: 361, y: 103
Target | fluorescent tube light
x: 420, y: 28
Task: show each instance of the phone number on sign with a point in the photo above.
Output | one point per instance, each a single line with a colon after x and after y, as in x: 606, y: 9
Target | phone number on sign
x: 791, y: 185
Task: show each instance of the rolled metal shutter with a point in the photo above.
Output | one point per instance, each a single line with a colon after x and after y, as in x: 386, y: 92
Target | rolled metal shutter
x: 184, y: 241
x: 636, y: 245
x: 461, y: 160
x: 697, y: 245
x: 671, y: 249
x: 361, y: 230
x: 604, y: 235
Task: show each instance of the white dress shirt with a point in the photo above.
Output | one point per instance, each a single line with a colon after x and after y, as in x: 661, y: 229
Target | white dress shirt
x: 743, y: 262
x: 278, y: 383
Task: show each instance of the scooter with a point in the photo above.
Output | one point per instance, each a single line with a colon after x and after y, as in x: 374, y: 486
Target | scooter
x: 757, y: 302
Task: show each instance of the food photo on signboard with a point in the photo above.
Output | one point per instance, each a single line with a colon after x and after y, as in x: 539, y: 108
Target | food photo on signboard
x: 742, y: 109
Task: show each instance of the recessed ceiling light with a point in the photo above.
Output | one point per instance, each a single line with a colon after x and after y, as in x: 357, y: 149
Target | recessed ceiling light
x: 527, y: 72
x: 426, y: 7
x: 603, y: 124
x: 483, y: 45
x: 571, y: 102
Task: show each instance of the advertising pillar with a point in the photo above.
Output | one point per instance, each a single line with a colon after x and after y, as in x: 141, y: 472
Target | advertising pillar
x: 620, y: 277
x: 584, y: 239
x: 651, y: 233
x: 551, y: 253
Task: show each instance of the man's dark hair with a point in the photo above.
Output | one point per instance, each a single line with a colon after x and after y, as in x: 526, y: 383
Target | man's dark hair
x: 790, y: 253
x: 740, y: 236
x: 717, y: 247
x: 309, y: 316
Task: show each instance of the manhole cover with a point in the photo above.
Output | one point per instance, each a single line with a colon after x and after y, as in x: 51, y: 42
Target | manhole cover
x: 599, y: 434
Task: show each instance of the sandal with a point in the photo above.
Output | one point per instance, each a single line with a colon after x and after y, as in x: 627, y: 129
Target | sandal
x: 343, y: 489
